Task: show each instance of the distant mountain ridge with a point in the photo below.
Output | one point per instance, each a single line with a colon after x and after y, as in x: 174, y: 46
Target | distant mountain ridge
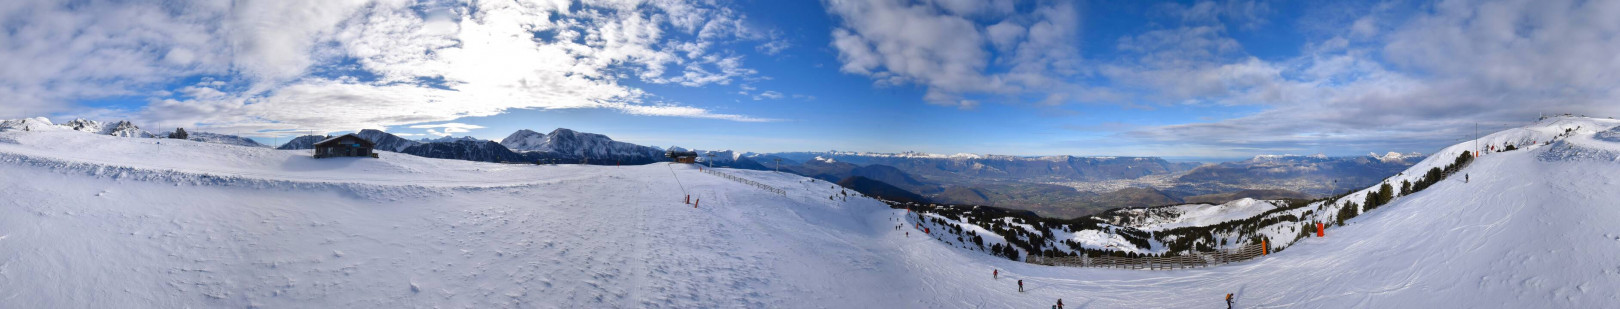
x: 1054, y: 185
x: 954, y: 168
x: 217, y: 138
x: 387, y: 141
x: 1316, y: 174
x: 524, y: 146
x: 567, y: 144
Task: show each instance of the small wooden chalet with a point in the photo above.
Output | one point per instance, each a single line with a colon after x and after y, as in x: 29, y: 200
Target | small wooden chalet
x: 347, y: 145
x: 688, y: 157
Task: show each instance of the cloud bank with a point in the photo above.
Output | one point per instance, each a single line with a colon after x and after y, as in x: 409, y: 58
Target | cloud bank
x: 346, y: 64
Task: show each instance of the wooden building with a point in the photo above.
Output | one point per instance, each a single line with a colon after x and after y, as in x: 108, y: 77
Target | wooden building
x: 347, y: 145
x: 688, y: 157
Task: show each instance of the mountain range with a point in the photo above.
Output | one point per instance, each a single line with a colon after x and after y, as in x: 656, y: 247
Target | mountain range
x: 1063, y: 186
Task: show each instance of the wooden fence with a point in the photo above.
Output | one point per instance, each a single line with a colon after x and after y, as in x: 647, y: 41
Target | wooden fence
x: 745, y: 181
x: 1200, y: 259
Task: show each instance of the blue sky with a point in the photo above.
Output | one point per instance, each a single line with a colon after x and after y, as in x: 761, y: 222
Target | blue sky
x: 1182, y: 79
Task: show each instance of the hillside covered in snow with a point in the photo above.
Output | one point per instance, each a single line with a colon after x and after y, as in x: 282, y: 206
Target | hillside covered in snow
x: 95, y: 220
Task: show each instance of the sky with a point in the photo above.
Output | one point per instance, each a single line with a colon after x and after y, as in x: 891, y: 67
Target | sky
x: 1183, y: 79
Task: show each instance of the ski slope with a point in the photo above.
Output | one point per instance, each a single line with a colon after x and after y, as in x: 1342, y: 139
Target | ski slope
x: 102, y: 221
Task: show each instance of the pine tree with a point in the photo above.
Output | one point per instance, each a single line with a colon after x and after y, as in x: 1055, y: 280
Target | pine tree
x: 1385, y: 194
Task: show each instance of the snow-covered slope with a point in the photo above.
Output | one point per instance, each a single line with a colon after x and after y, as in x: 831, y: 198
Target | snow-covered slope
x: 98, y: 221
x: 28, y: 124
x: 1169, y: 217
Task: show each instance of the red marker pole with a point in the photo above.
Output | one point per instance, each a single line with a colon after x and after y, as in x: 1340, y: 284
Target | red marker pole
x: 1319, y: 230
x: 694, y: 203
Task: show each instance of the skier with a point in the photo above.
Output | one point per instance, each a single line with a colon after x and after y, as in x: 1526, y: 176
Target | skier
x: 1228, y: 300
x: 1020, y: 285
x: 1465, y: 178
x: 1060, y: 303
x: 995, y: 274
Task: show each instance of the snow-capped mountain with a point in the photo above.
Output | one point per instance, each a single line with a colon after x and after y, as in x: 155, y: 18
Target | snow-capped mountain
x: 224, y: 139
x: 448, y: 139
x: 468, y: 149
x: 969, y: 169
x: 569, y: 144
x: 525, y: 140
x: 1317, y: 175
x: 27, y: 124
x: 387, y: 141
x: 1398, y: 157
x: 122, y: 128
x: 84, y: 125
x: 302, y: 142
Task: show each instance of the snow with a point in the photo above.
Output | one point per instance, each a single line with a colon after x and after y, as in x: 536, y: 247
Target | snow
x: 100, y: 221
x: 1206, y: 214
x: 525, y: 140
x: 445, y: 139
x: 1395, y: 156
x: 1099, y: 240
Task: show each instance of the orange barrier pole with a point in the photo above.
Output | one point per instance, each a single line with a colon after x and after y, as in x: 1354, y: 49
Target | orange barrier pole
x: 1265, y: 249
x: 1319, y: 230
x: 694, y: 203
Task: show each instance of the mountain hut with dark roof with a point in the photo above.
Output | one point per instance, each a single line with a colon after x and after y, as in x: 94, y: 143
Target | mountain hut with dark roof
x: 347, y: 145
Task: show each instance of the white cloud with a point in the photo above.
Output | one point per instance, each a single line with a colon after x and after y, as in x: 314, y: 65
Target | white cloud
x: 768, y: 94
x: 947, y: 47
x: 1417, y: 84
x: 773, y: 47
x: 295, y: 64
x: 447, y: 129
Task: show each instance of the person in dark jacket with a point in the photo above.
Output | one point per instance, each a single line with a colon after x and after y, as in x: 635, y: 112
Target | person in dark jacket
x: 1020, y: 285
